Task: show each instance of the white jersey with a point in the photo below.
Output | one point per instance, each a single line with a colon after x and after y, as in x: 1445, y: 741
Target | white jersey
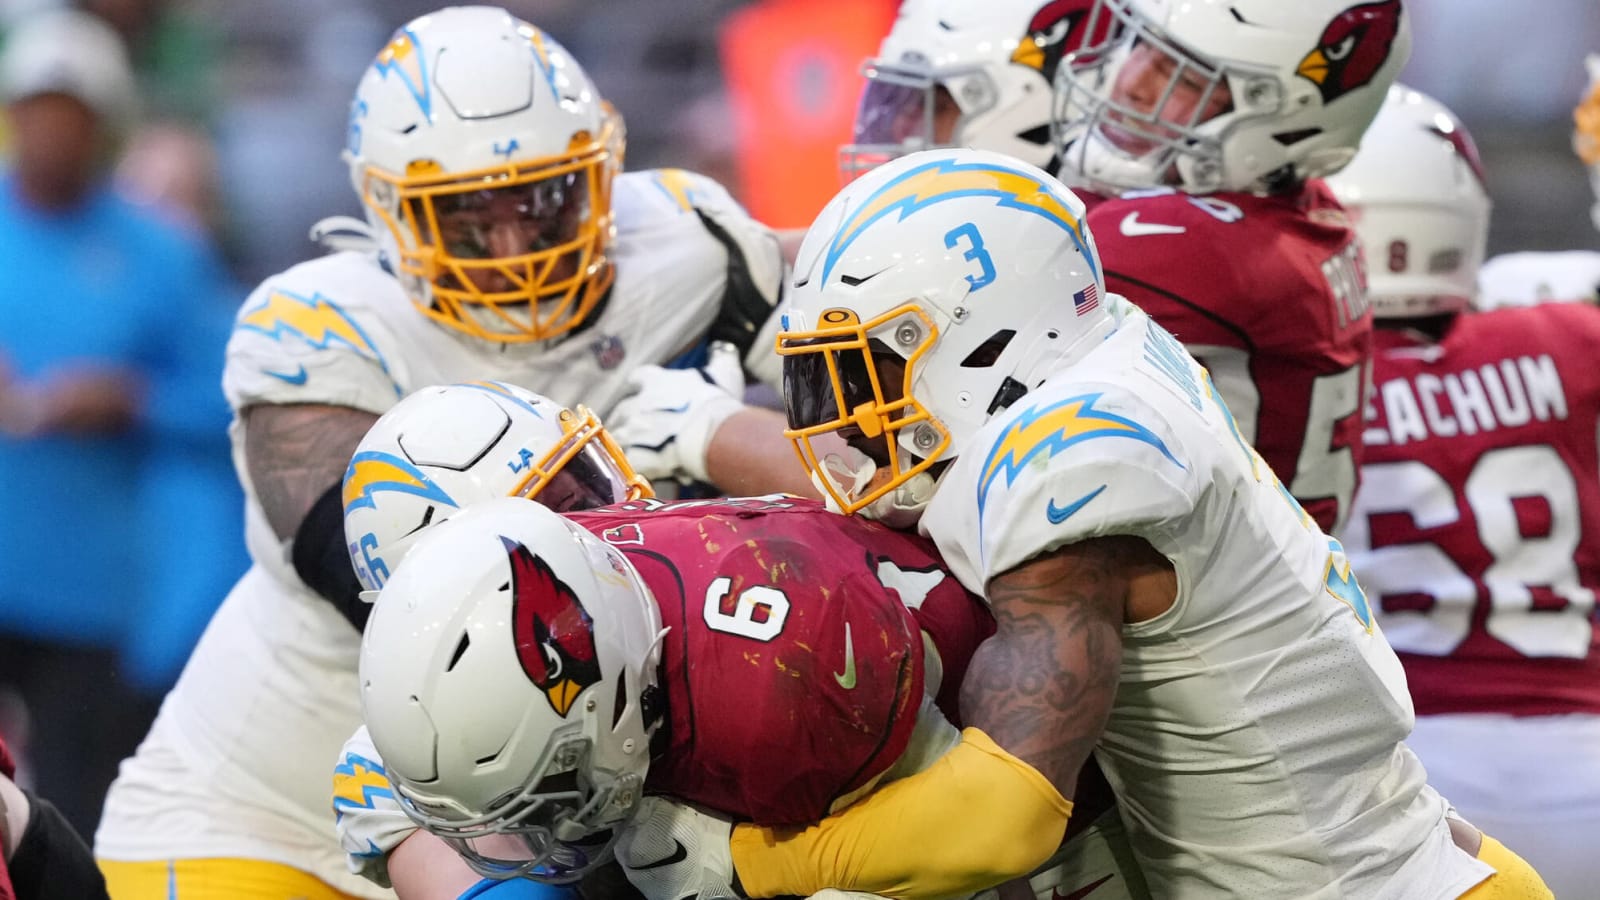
x: 236, y: 764
x: 1528, y: 278
x: 1255, y: 741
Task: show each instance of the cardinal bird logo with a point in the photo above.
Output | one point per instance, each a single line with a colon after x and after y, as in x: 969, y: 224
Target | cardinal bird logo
x: 1352, y: 48
x: 1056, y: 28
x: 554, y: 634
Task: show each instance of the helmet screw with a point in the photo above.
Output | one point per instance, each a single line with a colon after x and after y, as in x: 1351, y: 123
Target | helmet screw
x: 924, y: 438
x: 627, y: 745
x: 907, y: 334
x: 959, y: 313
x: 964, y: 398
x: 1052, y: 334
x: 589, y: 706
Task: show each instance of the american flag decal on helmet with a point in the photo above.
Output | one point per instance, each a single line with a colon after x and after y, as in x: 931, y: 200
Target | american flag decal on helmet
x: 1087, y: 300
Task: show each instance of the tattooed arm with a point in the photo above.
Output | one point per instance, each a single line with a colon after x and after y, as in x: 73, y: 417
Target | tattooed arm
x: 296, y: 455
x: 294, y: 452
x: 1043, y: 685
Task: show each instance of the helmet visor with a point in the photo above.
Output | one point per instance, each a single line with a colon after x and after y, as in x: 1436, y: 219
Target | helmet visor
x: 903, y: 110
x: 586, y: 470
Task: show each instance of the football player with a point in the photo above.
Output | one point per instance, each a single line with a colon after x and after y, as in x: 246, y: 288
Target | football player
x: 706, y: 541
x: 1528, y: 277
x: 452, y: 426
x: 779, y: 649
x: 1477, y: 527
x: 1196, y: 133
x: 1161, y: 599
x: 510, y: 246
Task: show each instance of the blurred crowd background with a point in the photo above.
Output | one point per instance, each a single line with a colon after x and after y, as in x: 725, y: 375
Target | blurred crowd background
x: 120, y: 517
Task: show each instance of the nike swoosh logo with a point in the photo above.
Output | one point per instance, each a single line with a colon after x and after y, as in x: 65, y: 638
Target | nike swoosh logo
x: 296, y: 377
x: 1132, y: 227
x: 1059, y: 514
x: 679, y: 854
x: 1080, y: 893
x: 847, y: 678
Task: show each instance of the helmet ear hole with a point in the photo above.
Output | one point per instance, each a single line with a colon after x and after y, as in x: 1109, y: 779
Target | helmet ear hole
x: 461, y: 649
x: 621, y: 704
x: 989, y: 351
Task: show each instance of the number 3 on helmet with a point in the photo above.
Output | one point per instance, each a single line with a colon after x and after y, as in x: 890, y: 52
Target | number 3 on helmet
x: 930, y: 294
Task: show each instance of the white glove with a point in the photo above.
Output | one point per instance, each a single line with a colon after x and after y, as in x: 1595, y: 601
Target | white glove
x: 665, y: 423
x: 674, y: 851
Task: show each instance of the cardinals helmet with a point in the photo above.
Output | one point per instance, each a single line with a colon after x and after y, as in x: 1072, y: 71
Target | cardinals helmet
x: 445, y: 447
x: 988, y: 66
x: 1244, y: 95
x: 509, y: 681
x: 1416, y: 192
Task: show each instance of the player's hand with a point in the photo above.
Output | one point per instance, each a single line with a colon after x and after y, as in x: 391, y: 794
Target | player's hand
x: 674, y: 851
x: 665, y: 423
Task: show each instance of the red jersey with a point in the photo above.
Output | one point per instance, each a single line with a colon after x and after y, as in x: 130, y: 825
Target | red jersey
x: 1477, y: 529
x: 1270, y: 294
x: 794, y: 665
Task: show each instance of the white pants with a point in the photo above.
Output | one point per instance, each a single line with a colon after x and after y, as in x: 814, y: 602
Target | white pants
x: 1533, y: 782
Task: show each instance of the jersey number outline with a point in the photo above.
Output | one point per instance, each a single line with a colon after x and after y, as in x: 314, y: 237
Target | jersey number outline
x: 1518, y: 562
x: 757, y: 613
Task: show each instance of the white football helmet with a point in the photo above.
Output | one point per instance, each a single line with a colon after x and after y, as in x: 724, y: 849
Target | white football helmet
x: 484, y: 157
x: 1223, y: 95
x: 929, y: 294
x: 993, y: 61
x: 509, y: 681
x: 1586, y: 132
x: 1416, y: 194
x: 442, y: 448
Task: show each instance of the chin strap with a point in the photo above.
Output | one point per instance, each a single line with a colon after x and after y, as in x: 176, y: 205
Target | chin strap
x: 900, y: 508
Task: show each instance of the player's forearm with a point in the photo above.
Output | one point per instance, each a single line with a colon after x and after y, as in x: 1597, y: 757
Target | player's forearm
x: 748, y: 455
x: 976, y: 818
x: 1043, y: 685
x: 295, y: 452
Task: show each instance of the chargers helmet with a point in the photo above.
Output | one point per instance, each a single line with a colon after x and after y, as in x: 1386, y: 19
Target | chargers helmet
x: 442, y: 448
x: 484, y: 158
x: 929, y: 294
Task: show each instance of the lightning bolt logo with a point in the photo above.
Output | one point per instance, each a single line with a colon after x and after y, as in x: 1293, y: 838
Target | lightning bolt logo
x: 677, y: 184
x: 541, y: 55
x: 503, y: 390
x: 372, y: 472
x: 404, y: 58
x: 315, y: 320
x: 946, y: 179
x: 1052, y: 429
x: 357, y: 782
